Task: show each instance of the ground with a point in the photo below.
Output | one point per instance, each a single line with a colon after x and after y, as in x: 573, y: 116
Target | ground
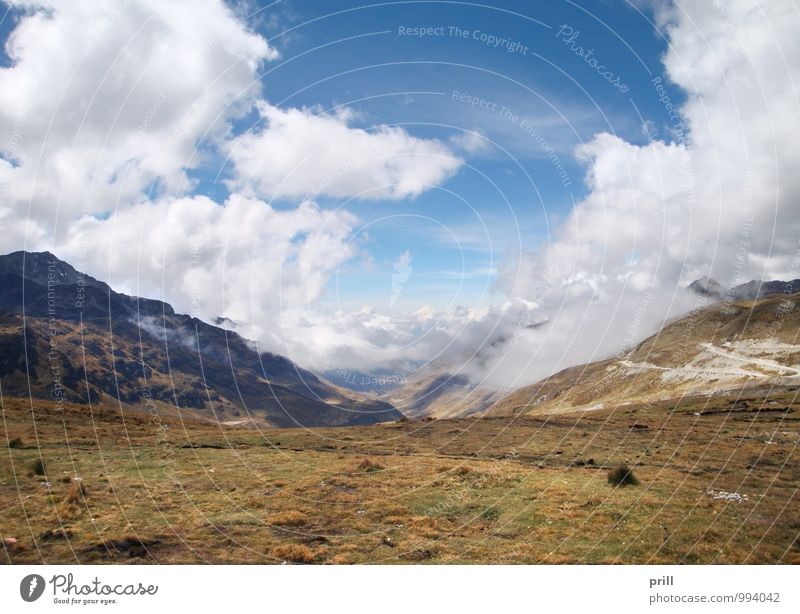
x: 718, y: 483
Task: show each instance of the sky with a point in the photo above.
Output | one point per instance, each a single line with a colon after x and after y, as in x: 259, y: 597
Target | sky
x: 502, y: 188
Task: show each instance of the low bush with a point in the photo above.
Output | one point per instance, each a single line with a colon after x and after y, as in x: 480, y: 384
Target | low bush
x: 490, y: 513
x: 622, y: 475
x: 38, y: 467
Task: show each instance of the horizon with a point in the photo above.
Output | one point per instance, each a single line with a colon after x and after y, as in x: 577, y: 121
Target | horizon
x: 342, y: 375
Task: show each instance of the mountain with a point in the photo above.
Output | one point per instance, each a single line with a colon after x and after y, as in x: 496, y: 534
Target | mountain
x: 65, y: 335
x: 749, y: 343
x: 711, y: 288
x: 706, y: 286
x: 436, y: 393
x: 758, y: 289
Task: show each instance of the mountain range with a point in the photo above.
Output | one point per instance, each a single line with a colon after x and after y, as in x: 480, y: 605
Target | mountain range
x: 67, y: 336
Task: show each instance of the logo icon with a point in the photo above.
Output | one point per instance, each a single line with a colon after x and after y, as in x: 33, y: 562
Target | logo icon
x: 31, y: 587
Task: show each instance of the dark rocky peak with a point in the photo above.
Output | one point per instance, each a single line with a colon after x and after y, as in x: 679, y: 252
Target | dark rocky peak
x: 40, y: 267
x: 709, y: 287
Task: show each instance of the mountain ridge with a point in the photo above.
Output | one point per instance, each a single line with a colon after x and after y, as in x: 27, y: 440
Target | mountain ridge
x: 62, y: 330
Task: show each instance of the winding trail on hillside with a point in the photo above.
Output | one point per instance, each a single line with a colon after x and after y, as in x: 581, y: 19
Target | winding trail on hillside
x: 768, y: 364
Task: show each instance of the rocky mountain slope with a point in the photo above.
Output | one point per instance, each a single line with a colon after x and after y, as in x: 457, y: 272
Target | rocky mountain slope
x: 67, y: 336
x: 715, y: 291
x: 749, y: 343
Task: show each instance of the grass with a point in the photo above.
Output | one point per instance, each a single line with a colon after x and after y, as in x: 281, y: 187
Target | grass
x: 495, y: 492
x: 490, y: 513
x: 294, y: 553
x: 370, y: 465
x: 287, y: 519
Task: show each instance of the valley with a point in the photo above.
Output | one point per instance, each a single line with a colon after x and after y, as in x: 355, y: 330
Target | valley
x: 134, y: 434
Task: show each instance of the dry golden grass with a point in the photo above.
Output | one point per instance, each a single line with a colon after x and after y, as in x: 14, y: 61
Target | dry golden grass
x: 497, y: 491
x: 295, y: 553
x: 287, y: 519
x: 370, y: 465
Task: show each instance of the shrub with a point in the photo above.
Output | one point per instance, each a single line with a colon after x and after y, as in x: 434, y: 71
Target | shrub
x: 622, y: 475
x: 38, y: 467
x: 16, y: 443
x: 294, y: 553
x: 490, y: 513
x: 370, y: 465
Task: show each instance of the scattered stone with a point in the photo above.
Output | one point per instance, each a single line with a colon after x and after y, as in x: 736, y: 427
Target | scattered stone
x: 727, y: 496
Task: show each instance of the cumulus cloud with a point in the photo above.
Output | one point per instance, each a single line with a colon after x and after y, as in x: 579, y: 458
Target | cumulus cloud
x: 302, y: 154
x: 242, y: 260
x: 105, y: 102
x: 365, y: 340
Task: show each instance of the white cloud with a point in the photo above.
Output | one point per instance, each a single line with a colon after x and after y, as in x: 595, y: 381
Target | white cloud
x: 721, y: 197
x: 104, y: 98
x: 471, y: 141
x: 242, y: 260
x: 366, y: 340
x: 302, y: 154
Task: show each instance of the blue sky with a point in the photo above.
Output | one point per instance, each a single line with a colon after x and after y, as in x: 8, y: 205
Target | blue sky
x: 506, y: 70
x: 541, y: 93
